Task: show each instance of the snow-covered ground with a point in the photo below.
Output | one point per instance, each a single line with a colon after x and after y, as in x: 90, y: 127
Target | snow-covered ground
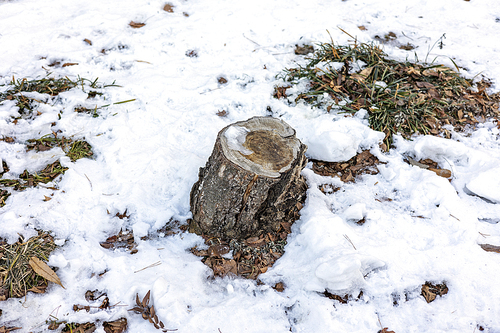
x: 147, y: 154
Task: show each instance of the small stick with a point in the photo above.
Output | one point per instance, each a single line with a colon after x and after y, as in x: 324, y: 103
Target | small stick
x: 251, y: 40
x: 89, y: 182
x: 152, y: 265
x: 347, y: 237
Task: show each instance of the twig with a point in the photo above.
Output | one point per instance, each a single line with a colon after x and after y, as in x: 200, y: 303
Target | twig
x: 89, y: 182
x: 152, y: 265
x: 251, y: 40
x: 347, y: 237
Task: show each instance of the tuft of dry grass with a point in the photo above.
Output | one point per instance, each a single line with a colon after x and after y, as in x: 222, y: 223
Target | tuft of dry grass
x: 400, y: 96
x: 16, y: 275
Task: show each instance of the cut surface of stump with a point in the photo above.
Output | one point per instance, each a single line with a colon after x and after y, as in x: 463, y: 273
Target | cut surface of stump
x: 251, y: 182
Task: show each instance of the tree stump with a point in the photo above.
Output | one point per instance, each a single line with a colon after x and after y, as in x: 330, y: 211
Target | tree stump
x: 251, y: 182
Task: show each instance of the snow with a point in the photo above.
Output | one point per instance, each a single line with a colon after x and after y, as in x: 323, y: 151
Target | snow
x: 486, y: 184
x: 236, y: 136
x: 147, y: 154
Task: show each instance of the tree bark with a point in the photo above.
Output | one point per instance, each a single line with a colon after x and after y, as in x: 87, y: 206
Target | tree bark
x: 251, y: 182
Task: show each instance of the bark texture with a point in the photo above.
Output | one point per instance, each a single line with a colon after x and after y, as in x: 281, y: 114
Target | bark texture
x: 251, y: 182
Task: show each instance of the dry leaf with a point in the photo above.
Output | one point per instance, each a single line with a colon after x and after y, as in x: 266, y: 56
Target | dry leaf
x: 362, y: 27
x: 412, y: 70
x: 87, y: 41
x: 69, y: 64
x: 423, y: 84
x: 145, y: 300
x: 279, y: 287
x: 490, y: 248
x: 169, y: 8
x: 47, y: 198
x: 44, y: 270
x: 116, y: 326
x: 386, y: 330
x: 361, y: 76
x: 441, y: 172
x: 221, y: 113
x: 136, y: 25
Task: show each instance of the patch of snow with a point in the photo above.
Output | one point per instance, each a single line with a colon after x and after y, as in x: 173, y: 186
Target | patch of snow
x: 236, y: 137
x: 486, y: 184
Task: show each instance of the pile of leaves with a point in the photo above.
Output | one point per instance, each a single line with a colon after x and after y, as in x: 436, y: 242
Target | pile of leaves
x: 400, y: 96
x: 363, y: 163
x: 124, y: 239
x: 22, y: 268
x: 249, y: 258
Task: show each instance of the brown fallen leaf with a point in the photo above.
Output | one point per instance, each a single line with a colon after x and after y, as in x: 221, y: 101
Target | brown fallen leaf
x: 221, y: 113
x: 427, y: 85
x: 361, y: 76
x: 116, y: 326
x: 136, y: 25
x: 69, y: 64
x: 431, y: 291
x: 441, y: 172
x: 88, y: 41
x: 169, y: 8
x: 279, y: 287
x: 47, y: 198
x: 386, y: 330
x: 44, y: 270
x: 490, y: 248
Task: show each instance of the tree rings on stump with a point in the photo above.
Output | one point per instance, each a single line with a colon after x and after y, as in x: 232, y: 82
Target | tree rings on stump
x: 251, y: 182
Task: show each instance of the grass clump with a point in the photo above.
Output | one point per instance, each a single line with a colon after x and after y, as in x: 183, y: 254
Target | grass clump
x: 400, y: 96
x: 20, y: 89
x: 50, y: 86
x: 26, y: 179
x: 48, y: 142
x: 16, y: 275
x: 73, y: 149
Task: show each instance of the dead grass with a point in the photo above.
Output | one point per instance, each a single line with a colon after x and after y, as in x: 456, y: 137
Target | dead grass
x: 73, y: 149
x: 400, y: 96
x: 16, y: 275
